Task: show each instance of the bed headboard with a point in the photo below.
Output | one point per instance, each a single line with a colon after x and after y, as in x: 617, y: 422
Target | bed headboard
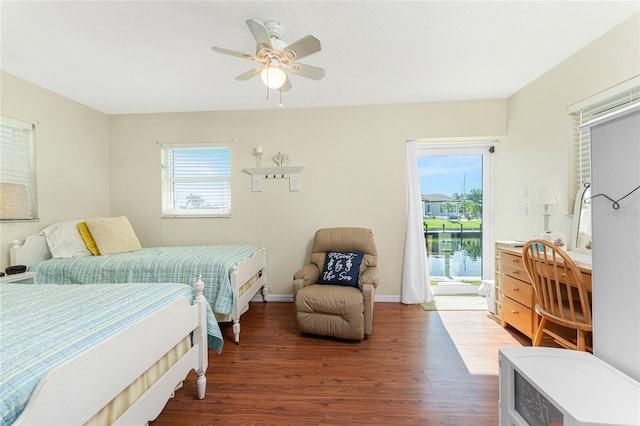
x: 33, y: 250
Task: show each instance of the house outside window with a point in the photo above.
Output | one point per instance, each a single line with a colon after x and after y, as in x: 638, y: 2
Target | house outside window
x: 437, y: 203
x: 196, y: 180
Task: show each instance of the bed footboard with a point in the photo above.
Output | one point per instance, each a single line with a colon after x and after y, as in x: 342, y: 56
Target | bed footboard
x: 243, y: 289
x: 75, y: 391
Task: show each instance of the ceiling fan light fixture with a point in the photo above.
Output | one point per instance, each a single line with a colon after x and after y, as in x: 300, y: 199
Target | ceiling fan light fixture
x: 275, y: 56
x: 272, y: 76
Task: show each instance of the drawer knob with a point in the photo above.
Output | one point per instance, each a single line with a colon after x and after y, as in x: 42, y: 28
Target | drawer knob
x: 515, y: 272
x: 515, y: 289
x: 514, y: 312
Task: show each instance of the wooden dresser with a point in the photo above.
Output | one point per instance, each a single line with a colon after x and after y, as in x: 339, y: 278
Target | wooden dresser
x: 514, y: 292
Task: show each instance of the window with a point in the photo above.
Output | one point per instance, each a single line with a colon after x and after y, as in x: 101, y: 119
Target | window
x: 605, y: 102
x: 17, y: 170
x: 196, y: 180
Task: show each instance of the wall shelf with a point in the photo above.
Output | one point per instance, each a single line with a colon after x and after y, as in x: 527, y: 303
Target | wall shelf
x: 292, y: 173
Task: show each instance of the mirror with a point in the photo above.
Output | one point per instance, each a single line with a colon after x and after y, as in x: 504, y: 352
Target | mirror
x: 580, y: 238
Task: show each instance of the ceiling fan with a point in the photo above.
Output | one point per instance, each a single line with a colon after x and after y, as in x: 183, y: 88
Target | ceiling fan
x: 275, y: 56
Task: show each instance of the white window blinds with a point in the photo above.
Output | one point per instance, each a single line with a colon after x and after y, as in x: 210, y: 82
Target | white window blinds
x: 603, y: 103
x: 196, y: 180
x: 17, y: 170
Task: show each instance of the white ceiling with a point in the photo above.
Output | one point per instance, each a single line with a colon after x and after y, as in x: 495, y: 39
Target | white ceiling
x: 155, y: 56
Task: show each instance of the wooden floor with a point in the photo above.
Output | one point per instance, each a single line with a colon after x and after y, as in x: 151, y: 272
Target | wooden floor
x: 418, y: 367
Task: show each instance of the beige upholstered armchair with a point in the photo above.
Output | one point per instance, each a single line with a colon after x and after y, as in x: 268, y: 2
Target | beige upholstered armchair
x: 333, y: 296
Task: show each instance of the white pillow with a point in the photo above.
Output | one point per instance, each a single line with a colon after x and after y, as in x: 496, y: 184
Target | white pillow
x: 64, y: 240
x: 113, y: 234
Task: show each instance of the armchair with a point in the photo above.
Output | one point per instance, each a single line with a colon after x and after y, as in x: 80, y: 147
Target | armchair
x: 334, y: 308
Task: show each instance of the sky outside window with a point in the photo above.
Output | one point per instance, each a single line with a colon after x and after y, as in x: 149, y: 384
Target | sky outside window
x: 445, y: 174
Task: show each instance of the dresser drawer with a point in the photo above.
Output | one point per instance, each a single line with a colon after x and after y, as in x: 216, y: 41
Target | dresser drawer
x: 512, y: 265
x: 568, y: 278
x: 518, y: 316
x: 517, y: 290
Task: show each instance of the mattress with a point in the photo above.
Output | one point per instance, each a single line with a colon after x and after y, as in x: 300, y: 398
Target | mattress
x: 154, y: 265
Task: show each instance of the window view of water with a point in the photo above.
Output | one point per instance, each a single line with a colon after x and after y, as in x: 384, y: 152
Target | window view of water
x: 454, y: 258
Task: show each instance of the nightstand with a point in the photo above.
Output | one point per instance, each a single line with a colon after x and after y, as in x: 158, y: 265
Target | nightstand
x: 23, y: 278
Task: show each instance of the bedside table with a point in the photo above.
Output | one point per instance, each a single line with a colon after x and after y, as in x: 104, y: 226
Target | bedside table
x: 23, y: 278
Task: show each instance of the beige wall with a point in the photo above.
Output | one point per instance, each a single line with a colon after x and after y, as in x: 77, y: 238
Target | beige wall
x: 354, y: 159
x: 72, y: 157
x: 90, y: 164
x: 354, y: 176
x: 536, y: 153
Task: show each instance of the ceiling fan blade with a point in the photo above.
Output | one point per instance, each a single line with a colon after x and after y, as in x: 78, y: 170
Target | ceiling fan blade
x: 260, y: 33
x: 306, y: 46
x: 308, y: 71
x: 232, y: 53
x: 247, y: 75
x: 286, y: 86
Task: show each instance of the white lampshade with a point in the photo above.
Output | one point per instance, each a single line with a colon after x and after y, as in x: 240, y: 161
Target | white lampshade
x: 14, y: 203
x: 545, y: 196
x: 272, y: 76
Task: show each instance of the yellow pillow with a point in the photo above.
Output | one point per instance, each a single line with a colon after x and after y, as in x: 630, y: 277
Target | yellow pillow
x: 88, y: 238
x: 113, y: 234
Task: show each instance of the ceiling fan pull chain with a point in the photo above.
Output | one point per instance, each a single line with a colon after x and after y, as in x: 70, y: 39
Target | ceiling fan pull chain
x: 280, y: 92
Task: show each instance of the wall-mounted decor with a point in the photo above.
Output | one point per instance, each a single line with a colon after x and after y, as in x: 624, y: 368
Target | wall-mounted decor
x: 257, y: 152
x: 281, y: 159
x: 292, y: 173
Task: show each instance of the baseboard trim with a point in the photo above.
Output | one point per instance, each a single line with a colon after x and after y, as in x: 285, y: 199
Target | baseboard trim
x: 386, y: 298
x: 289, y: 298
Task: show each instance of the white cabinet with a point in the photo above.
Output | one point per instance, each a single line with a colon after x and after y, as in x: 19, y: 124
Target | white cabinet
x: 553, y: 386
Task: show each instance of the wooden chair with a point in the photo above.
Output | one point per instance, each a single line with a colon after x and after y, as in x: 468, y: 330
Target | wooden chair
x: 562, y: 298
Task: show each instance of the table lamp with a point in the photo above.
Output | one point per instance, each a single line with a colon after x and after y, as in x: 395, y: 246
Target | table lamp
x: 545, y: 197
x: 14, y: 202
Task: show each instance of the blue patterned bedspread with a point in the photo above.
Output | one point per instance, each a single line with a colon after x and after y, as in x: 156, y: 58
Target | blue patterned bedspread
x: 154, y: 265
x: 43, y: 326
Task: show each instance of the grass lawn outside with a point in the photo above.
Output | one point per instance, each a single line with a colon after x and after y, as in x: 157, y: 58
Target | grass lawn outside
x: 448, y: 224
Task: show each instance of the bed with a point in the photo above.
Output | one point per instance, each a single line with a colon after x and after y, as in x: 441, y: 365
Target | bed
x: 100, y: 354
x: 233, y: 274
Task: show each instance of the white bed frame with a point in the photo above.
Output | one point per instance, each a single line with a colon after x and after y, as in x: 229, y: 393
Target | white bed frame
x: 75, y: 391
x: 35, y: 249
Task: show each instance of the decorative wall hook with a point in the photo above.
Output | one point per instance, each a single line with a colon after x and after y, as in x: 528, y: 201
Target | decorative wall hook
x: 615, y: 204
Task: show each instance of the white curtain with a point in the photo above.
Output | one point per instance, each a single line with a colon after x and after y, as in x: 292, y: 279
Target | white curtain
x: 415, y: 271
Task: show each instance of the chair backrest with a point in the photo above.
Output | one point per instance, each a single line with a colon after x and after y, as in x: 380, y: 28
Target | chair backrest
x: 558, y: 284
x: 344, y: 239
